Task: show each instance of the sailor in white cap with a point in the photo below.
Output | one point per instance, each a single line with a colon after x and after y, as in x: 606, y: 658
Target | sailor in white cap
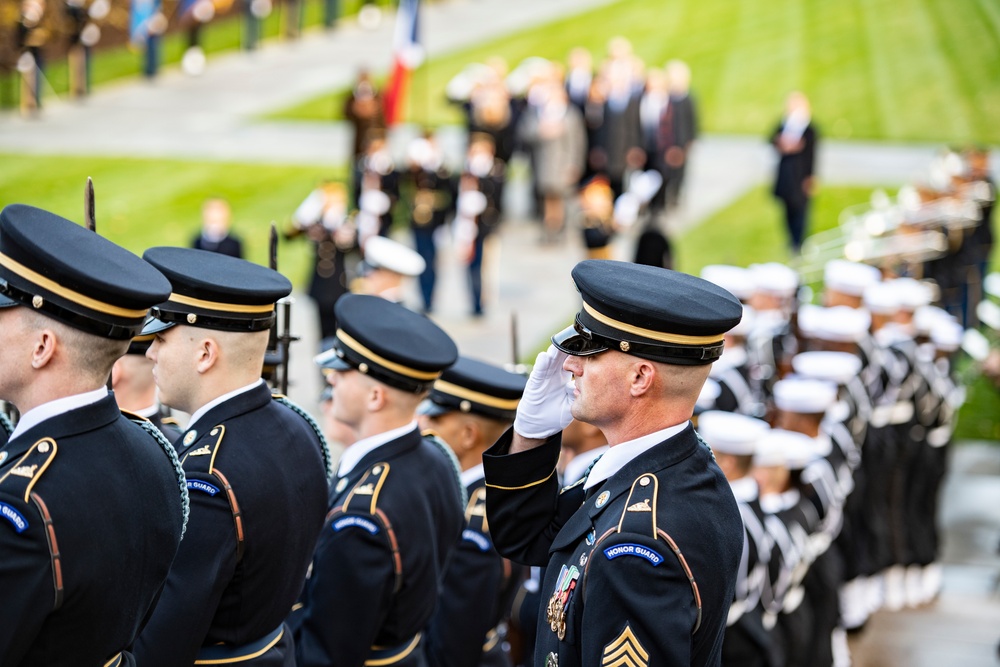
x: 733, y: 439
x: 844, y: 282
x: 772, y: 340
x: 739, y: 392
x: 386, y: 267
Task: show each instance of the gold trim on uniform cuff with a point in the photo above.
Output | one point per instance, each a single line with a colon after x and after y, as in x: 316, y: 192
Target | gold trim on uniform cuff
x: 523, y: 486
x: 678, y: 339
x: 74, y: 296
x: 218, y: 305
x: 350, y: 342
x: 452, y: 389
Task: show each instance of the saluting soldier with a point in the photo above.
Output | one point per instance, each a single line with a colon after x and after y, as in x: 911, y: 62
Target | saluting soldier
x: 469, y: 408
x: 397, y: 506
x: 257, y: 468
x: 135, y: 389
x: 92, y: 504
x: 634, y: 574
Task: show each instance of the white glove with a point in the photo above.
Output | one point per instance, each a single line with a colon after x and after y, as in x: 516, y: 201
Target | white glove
x: 544, y: 409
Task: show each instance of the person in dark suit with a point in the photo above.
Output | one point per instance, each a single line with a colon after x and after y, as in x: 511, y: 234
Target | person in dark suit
x: 396, y: 510
x: 469, y: 408
x: 215, y: 236
x: 634, y: 576
x: 679, y: 130
x: 795, y: 140
x: 619, y: 140
x: 256, y: 465
x: 92, y: 504
x: 135, y: 389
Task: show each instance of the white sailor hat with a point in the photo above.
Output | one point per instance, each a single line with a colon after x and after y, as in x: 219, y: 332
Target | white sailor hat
x: 841, y: 324
x: 947, y: 335
x: 924, y: 318
x: 734, y: 279
x: 804, y: 395
x: 774, y: 278
x: 746, y: 324
x: 882, y: 299
x: 991, y: 284
x: 787, y: 449
x: 838, y: 367
x: 384, y: 253
x: 710, y: 392
x: 849, y: 277
x: 912, y: 294
x: 731, y: 433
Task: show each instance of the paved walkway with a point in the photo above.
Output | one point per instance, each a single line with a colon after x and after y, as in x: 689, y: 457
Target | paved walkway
x: 215, y: 117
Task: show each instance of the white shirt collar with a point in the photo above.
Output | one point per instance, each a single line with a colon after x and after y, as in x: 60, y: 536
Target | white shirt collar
x: 40, y: 413
x: 618, y: 455
x: 772, y: 503
x: 472, y: 475
x: 148, y: 412
x: 579, y: 464
x: 200, y: 412
x: 745, y: 489
x: 353, y: 454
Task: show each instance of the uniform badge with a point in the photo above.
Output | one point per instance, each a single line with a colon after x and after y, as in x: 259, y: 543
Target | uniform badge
x: 602, y: 499
x: 592, y: 536
x: 559, y: 602
x: 190, y: 437
x: 341, y: 485
x: 640, y: 507
x: 201, y: 451
x: 625, y: 651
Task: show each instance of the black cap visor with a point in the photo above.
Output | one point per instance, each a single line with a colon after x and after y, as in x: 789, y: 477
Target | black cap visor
x: 579, y: 341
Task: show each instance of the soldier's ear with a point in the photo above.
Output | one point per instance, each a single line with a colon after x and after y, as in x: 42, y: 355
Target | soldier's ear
x: 206, y: 354
x: 44, y: 348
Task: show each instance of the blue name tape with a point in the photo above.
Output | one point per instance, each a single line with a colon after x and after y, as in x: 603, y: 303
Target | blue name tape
x: 633, y: 550
x: 355, y: 521
x: 476, y: 538
x: 16, y: 518
x: 204, y: 487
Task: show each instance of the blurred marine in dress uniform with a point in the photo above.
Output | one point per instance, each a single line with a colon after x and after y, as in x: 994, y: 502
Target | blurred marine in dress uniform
x: 397, y: 506
x: 256, y: 466
x: 92, y: 504
x: 469, y: 408
x: 634, y: 575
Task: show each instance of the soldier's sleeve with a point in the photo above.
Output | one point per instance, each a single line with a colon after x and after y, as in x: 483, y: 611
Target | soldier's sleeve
x: 204, y: 565
x: 26, y: 576
x: 472, y: 583
x: 351, y: 585
x: 641, y: 606
x: 523, y: 502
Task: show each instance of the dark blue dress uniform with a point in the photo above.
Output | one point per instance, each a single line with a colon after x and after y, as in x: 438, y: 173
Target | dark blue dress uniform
x: 92, y: 505
x: 257, y: 473
x: 395, y: 516
x: 635, y: 575
x: 469, y: 625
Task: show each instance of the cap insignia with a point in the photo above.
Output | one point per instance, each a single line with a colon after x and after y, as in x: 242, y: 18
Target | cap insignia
x: 602, y: 499
x: 192, y: 318
x: 465, y: 406
x: 624, y: 346
x: 37, y: 301
x: 363, y: 367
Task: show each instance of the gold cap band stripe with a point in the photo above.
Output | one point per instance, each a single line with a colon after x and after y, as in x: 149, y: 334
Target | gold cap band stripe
x: 74, y: 296
x: 350, y: 342
x: 143, y: 338
x: 218, y: 305
x: 451, y: 389
x: 678, y: 339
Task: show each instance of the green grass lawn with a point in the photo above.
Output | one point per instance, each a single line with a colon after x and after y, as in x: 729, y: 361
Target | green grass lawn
x: 903, y: 70
x: 225, y: 34
x: 144, y: 203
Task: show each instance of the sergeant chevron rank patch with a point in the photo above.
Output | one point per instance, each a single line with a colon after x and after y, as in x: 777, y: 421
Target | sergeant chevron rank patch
x: 625, y: 651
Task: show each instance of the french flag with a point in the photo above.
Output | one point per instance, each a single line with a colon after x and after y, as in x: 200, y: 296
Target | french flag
x: 407, y: 54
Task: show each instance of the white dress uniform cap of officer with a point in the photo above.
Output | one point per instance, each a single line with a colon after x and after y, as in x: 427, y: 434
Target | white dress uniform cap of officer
x: 841, y: 324
x: 849, y: 277
x: 837, y: 367
x: 731, y: 433
x: 734, y: 279
x: 384, y: 253
x: 774, y: 278
x: 804, y: 395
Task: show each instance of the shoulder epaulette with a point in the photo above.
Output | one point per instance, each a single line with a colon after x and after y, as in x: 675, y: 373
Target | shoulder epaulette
x: 133, y: 416
x: 364, y: 496
x: 22, y: 476
x: 19, y: 481
x: 436, y: 440
x: 202, y: 458
x: 363, y: 499
x: 475, y: 510
x: 324, y: 445
x: 171, y: 454
x: 170, y: 420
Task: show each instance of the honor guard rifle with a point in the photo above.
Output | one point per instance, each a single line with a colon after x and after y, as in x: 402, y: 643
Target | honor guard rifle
x: 276, y: 358
x: 88, y: 205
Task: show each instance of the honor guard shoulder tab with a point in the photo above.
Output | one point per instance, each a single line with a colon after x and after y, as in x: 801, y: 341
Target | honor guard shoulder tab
x: 324, y: 445
x: 19, y: 481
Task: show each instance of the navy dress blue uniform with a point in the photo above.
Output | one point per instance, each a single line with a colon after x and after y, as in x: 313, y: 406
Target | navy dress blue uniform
x: 468, y: 628
x: 394, y: 517
x: 92, y: 504
x: 257, y: 472
x: 634, y: 576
